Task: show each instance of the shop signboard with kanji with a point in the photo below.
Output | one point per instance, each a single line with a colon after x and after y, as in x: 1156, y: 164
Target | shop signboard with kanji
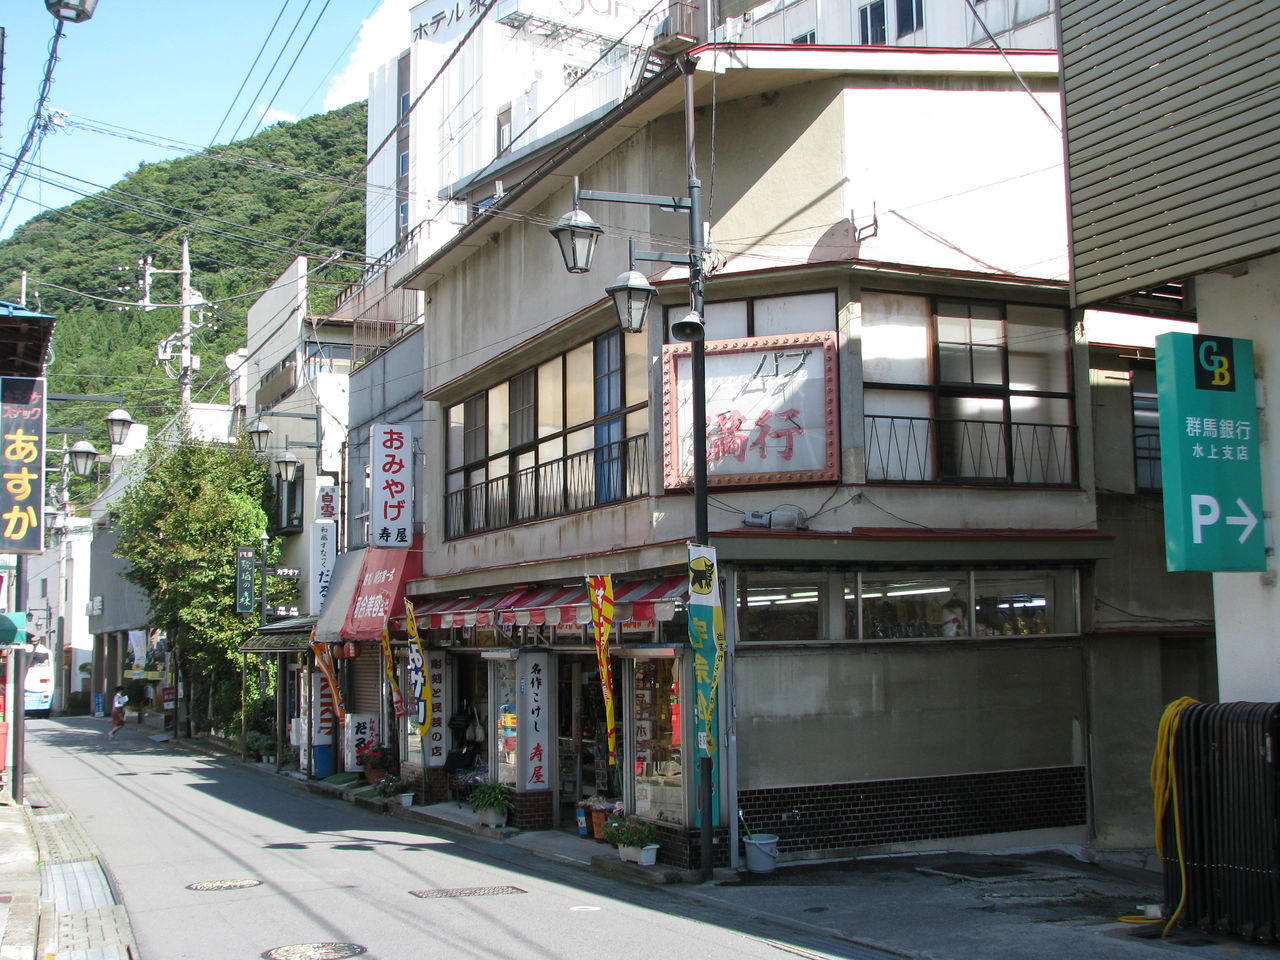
x: 22, y: 423
x: 324, y: 551
x: 771, y: 411
x: 533, y: 739
x: 246, y: 563
x: 1209, y: 446
x: 390, y: 486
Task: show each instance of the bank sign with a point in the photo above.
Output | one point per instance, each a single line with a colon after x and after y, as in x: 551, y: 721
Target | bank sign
x: 1209, y: 443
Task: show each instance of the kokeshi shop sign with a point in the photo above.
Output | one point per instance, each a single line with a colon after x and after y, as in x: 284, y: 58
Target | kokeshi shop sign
x: 1209, y: 443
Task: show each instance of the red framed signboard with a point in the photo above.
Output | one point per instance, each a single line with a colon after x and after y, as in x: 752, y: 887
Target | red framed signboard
x: 772, y: 411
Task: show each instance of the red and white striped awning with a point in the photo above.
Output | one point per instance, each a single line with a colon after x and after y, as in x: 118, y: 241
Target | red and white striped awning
x: 641, y: 601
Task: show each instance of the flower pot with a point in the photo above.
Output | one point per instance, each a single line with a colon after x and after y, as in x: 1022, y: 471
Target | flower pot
x: 373, y: 775
x: 598, y: 818
x: 492, y: 818
x: 646, y: 856
x: 406, y: 799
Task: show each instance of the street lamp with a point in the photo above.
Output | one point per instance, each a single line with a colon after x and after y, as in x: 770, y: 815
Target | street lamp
x: 259, y: 435
x: 118, y: 424
x: 577, y: 234
x: 82, y: 455
x: 71, y: 11
x: 287, y: 467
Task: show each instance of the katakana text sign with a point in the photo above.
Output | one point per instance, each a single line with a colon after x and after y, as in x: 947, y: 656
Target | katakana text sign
x: 1209, y: 444
x: 771, y: 411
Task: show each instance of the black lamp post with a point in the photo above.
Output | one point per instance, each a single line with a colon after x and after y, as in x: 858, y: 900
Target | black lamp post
x: 577, y: 234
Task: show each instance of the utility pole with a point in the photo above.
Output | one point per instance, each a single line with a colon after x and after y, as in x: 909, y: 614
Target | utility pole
x: 188, y: 363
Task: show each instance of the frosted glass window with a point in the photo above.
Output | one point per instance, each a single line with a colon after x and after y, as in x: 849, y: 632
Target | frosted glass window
x: 895, y: 338
x: 499, y: 419
x: 1039, y: 349
x: 550, y: 397
x: 725, y: 321
x: 800, y: 313
x: 580, y: 384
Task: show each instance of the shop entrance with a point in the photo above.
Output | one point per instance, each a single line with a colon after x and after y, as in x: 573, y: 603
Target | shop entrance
x: 582, y: 737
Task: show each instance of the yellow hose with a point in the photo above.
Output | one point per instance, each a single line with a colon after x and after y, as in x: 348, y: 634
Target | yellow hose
x: 1164, y: 789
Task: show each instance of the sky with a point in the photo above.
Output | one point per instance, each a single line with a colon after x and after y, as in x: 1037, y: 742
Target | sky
x: 150, y: 80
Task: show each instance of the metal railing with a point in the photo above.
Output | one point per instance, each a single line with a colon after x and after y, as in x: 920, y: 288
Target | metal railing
x: 929, y: 450
x: 610, y: 473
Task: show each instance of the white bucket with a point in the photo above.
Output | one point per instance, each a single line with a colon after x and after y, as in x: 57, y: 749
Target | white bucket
x: 762, y: 852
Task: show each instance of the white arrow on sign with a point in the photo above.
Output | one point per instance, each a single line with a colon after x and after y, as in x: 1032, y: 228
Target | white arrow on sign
x: 1246, y: 520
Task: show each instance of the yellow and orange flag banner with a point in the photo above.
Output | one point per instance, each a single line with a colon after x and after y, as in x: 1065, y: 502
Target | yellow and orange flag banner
x: 324, y: 661
x: 411, y: 624
x: 389, y: 664
x: 600, y: 590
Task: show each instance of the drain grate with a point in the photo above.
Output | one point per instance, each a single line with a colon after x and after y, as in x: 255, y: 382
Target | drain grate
x: 223, y: 884
x: 448, y: 893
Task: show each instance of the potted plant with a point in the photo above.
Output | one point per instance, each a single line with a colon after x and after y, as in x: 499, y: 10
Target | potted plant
x: 374, y: 759
x: 634, y: 838
x: 492, y: 802
x: 392, y: 786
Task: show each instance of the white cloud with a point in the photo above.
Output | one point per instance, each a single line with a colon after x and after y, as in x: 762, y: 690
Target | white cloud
x: 275, y: 115
x: 382, y: 37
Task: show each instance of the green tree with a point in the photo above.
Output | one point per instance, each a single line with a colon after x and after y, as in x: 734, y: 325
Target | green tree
x: 180, y: 522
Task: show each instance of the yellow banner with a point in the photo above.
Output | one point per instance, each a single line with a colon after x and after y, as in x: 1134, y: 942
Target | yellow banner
x: 601, y: 592
x: 389, y: 666
x: 324, y: 661
x: 411, y: 624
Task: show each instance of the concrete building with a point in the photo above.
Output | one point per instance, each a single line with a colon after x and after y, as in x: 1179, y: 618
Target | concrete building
x: 909, y: 546
x: 1172, y: 193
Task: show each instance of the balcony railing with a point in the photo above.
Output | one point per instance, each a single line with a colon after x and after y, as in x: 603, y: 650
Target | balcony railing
x: 606, y: 474
x: 927, y: 450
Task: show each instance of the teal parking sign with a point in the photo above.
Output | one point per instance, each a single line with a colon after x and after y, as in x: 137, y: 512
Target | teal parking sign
x: 1209, y: 441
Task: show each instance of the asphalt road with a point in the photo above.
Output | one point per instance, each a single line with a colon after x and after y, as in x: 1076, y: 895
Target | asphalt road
x: 331, y: 872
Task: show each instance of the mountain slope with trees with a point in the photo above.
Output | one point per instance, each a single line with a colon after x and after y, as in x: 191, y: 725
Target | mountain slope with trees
x: 249, y: 209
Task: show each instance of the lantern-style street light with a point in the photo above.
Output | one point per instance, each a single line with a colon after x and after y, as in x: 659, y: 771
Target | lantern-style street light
x: 71, y: 11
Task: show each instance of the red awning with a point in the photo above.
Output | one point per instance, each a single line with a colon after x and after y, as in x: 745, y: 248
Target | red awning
x: 634, y: 602
x: 379, y: 593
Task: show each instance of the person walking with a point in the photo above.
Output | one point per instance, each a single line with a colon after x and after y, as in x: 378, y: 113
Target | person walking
x: 117, y: 711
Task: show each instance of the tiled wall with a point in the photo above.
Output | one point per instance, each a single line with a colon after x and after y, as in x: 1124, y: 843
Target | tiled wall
x: 830, y: 816
x: 533, y: 811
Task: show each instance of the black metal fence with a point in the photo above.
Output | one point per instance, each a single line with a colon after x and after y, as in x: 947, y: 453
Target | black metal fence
x: 605, y: 474
x: 932, y: 450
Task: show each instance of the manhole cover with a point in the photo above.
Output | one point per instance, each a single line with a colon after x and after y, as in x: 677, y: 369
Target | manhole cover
x: 224, y: 885
x: 466, y: 892
x: 314, y: 951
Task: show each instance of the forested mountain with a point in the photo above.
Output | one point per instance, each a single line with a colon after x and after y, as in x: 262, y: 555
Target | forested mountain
x: 249, y: 208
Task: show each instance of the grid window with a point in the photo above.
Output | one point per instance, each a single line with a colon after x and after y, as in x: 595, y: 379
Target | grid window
x: 1146, y: 429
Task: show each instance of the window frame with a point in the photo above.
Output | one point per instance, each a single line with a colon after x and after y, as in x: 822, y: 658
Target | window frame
x: 871, y: 33
x: 914, y: 18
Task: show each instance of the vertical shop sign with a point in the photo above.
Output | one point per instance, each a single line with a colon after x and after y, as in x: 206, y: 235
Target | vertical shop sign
x: 1210, y: 441
x: 324, y: 713
x: 326, y: 502
x: 706, y: 638
x: 324, y: 548
x: 391, y: 486
x: 246, y: 563
x: 324, y: 663
x: 533, y: 738
x: 600, y: 589
x: 362, y: 731
x: 22, y: 422
x: 389, y: 667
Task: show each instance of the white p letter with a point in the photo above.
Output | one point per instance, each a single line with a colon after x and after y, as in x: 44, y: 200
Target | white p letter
x: 1204, y: 513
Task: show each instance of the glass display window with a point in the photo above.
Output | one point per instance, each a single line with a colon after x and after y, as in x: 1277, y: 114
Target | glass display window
x: 910, y: 605
x: 504, y: 721
x: 656, y: 729
x: 778, y: 607
x: 1025, y: 602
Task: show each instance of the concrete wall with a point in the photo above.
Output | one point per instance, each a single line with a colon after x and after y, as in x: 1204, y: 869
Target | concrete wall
x: 1247, y: 605
x: 875, y: 713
